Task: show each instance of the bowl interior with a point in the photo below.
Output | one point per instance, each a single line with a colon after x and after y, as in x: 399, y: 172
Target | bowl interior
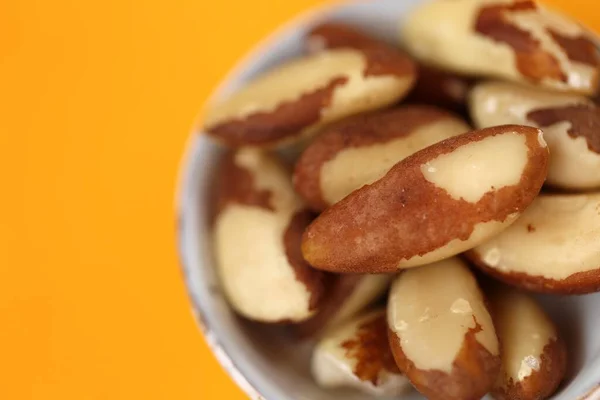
x: 263, y: 360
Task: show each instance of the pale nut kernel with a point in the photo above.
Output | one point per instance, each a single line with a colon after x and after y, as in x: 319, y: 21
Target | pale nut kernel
x: 552, y: 248
x: 509, y: 39
x: 258, y: 223
x: 439, y: 202
x: 571, y: 125
x: 533, y: 355
x: 357, y: 355
x: 360, y: 150
x: 291, y: 101
x: 441, y: 332
x: 347, y: 295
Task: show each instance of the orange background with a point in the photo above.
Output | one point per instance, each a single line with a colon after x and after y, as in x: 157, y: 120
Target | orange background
x: 96, y: 101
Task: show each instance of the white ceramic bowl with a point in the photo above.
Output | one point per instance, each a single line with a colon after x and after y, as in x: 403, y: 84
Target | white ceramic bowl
x: 262, y: 361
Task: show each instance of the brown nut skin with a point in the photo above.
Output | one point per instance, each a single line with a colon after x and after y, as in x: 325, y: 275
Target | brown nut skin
x: 391, y: 223
x: 357, y: 354
x: 516, y: 40
x: 442, y: 89
x: 404, y: 130
x: 475, y: 366
x: 253, y: 187
x: 292, y: 101
x: 531, y: 347
x: 472, y: 377
x: 334, y: 35
x: 552, y: 248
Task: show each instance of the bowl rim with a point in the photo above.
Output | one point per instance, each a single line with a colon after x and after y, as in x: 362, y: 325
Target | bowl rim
x: 303, y: 19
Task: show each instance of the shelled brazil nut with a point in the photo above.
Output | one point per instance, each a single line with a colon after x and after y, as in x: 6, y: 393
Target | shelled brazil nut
x: 571, y: 125
x: 441, y: 332
x: 533, y: 354
x: 552, y: 248
x: 516, y: 40
x: 357, y: 355
x: 441, y: 201
x: 361, y: 149
x: 258, y: 223
x: 347, y: 295
x: 434, y: 86
x: 292, y: 100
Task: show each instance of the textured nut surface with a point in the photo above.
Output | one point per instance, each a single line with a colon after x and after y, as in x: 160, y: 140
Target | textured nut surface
x: 362, y: 149
x: 511, y: 39
x: 293, y: 99
x: 533, y: 355
x: 438, y: 202
x: 357, y: 354
x: 553, y: 247
x: 441, y: 332
x: 346, y: 296
x: 571, y: 125
x: 257, y: 231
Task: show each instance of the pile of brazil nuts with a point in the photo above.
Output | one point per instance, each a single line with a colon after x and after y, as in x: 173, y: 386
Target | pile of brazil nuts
x: 475, y: 148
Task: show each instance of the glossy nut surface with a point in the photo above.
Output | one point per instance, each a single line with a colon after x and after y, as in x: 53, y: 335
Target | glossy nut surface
x: 357, y: 355
x: 533, y: 355
x: 292, y: 100
x: 362, y: 149
x: 439, y: 202
x: 552, y: 248
x: 509, y: 39
x: 571, y: 126
x: 441, y: 331
x: 258, y: 223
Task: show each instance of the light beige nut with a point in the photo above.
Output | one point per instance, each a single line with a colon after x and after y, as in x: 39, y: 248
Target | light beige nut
x: 357, y: 355
x: 441, y: 201
x: 347, y: 295
x: 533, y: 354
x: 361, y: 149
x: 552, y: 248
x: 517, y: 40
x: 571, y: 125
x: 258, y: 223
x: 292, y: 100
x: 441, y: 332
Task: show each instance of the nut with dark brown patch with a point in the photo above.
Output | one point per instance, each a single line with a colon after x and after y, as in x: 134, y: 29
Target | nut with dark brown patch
x: 357, y: 354
x: 442, y: 89
x: 258, y: 225
x: 362, y: 149
x: 560, y: 256
x: 534, y: 356
x: 571, y: 125
x: 517, y: 40
x: 439, y: 202
x: 292, y: 100
x: 441, y: 332
x: 335, y: 35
